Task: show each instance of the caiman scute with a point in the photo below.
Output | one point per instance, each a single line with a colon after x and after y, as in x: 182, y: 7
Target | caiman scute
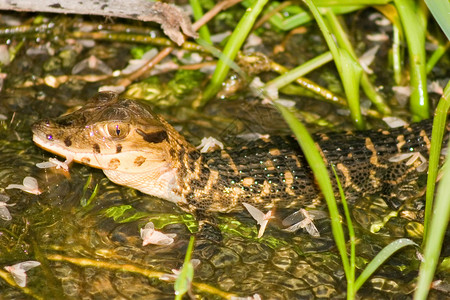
x: 137, y: 148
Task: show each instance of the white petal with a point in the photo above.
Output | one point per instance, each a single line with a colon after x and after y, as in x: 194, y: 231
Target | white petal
x: 15, y: 186
x: 26, y: 265
x: 208, y: 144
x: 312, y: 229
x: 45, y: 165
x: 400, y: 157
x: 394, y: 122
x: 30, y: 183
x: 20, y: 277
x: 262, y: 228
x: 4, y: 213
x: 255, y: 213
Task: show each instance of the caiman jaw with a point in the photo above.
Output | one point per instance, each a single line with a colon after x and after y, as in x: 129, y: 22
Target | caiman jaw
x: 121, y: 137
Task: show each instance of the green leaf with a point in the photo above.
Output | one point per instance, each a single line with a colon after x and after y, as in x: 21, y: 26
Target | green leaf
x: 381, y: 257
x: 184, y: 279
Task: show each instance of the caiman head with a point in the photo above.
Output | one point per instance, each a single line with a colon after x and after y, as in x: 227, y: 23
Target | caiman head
x: 124, y: 138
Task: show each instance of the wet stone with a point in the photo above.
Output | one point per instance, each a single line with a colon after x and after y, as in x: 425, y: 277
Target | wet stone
x: 303, y: 294
x: 324, y: 291
x: 136, y: 288
x: 225, y: 257
x: 283, y: 259
x: 255, y: 253
x: 295, y: 284
x: 226, y: 283
x: 384, y: 284
x: 282, y: 263
x: 204, y: 271
x: 70, y: 288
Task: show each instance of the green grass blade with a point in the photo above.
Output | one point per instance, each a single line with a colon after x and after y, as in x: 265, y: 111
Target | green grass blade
x: 299, y: 71
x: 437, y: 54
x: 184, y: 279
x: 351, y: 86
x: 367, y: 86
x: 298, y: 16
x: 441, y: 214
x: 232, y: 47
x: 435, y: 153
x: 351, y: 291
x: 381, y: 257
x: 414, y: 29
x: 396, y: 55
x: 441, y: 12
x: 320, y: 171
x: 198, y: 13
x: 348, y: 78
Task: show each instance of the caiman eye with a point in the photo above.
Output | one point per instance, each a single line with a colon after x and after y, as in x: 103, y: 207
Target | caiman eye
x: 118, y: 130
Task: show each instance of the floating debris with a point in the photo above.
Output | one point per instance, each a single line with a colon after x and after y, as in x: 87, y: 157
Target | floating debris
x: 151, y: 236
x: 367, y: 58
x: 260, y: 217
x: 402, y: 94
x: 92, y: 63
x: 18, y: 271
x: 4, y: 212
x: 54, y: 162
x: 29, y: 185
x: 412, y: 157
x: 304, y: 219
x: 209, y: 144
x: 136, y: 64
x: 394, y: 122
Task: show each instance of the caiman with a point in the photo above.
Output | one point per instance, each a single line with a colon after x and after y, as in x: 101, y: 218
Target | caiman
x: 137, y: 148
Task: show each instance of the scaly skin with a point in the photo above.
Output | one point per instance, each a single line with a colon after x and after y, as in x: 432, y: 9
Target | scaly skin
x: 136, y: 148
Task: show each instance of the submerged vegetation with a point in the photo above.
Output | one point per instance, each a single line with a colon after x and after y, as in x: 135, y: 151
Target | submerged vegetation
x: 361, y: 60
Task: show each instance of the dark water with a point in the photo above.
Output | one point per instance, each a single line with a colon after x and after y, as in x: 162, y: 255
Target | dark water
x: 91, y: 251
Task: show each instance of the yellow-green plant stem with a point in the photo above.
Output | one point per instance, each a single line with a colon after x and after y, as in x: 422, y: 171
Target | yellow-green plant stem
x: 299, y: 16
x: 396, y: 55
x: 198, y: 13
x: 348, y: 78
x: 437, y: 134
x: 232, y: 47
x: 367, y: 86
x: 184, y: 279
x: 96, y: 263
x: 313, y: 87
x: 299, y: 71
x: 414, y: 29
x: 351, y: 290
x: 135, y: 38
x: 438, y: 225
x: 437, y: 54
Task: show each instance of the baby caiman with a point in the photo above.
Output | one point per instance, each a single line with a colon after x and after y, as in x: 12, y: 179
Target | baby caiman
x: 137, y: 148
